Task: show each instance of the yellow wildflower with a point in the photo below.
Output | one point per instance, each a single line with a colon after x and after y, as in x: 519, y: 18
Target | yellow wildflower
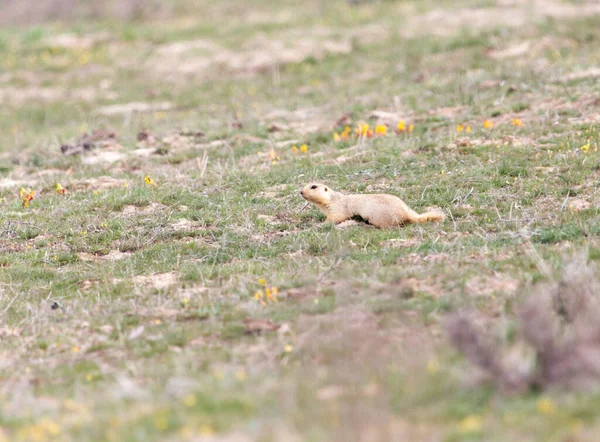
x: 411, y: 127
x: 26, y: 196
x: 460, y: 128
x: 487, y: 124
x: 50, y: 427
x: 336, y: 137
x: 470, y: 424
x: 364, y: 129
x: 401, y: 126
x: 585, y: 148
x: 467, y: 128
x: 75, y: 349
x: 545, y: 406
x: 241, y: 375
x: 189, y: 400
x: 161, y: 422
x: 294, y: 149
x: 380, y: 129
x: 149, y: 181
x: 60, y: 189
x: 206, y: 430
x: 433, y: 367
x: 517, y: 122
x: 262, y: 281
x: 304, y: 148
x: 288, y: 348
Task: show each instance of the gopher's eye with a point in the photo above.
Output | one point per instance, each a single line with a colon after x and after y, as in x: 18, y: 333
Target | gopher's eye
x: 314, y: 187
x: 326, y: 189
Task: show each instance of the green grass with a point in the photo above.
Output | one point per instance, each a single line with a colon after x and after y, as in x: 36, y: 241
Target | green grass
x: 154, y: 284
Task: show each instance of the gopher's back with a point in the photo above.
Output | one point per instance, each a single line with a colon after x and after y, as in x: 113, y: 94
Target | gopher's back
x: 381, y: 210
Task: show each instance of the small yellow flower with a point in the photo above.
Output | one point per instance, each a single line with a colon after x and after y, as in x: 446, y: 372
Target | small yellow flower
x: 364, y: 129
x: 157, y: 321
x: 50, y: 427
x: 288, y: 348
x: 487, y: 124
x: 336, y: 137
x: 380, y: 130
x: 205, y: 430
x: 84, y: 58
x: 241, y: 375
x: 294, y: 149
x: 161, y: 422
x: 433, y: 367
x: 89, y: 377
x: 467, y: 128
x: 585, y: 148
x: 517, y: 122
x: 411, y: 127
x: 60, y: 189
x: 126, y: 185
x: 149, y: 181
x: 545, y: 406
x: 189, y: 400
x: 304, y: 148
x: 460, y: 128
x: 75, y: 349
x: 470, y: 424
x: 401, y: 126
x: 26, y: 196
x: 262, y: 281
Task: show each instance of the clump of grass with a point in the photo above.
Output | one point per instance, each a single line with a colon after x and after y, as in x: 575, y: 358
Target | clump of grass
x: 560, y: 323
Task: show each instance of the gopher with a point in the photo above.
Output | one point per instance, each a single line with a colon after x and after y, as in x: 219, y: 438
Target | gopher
x: 380, y: 210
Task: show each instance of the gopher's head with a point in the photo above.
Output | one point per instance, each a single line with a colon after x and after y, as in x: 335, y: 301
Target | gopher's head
x: 317, y: 193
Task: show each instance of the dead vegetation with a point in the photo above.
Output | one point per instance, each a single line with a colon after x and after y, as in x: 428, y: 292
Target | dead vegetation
x: 560, y: 325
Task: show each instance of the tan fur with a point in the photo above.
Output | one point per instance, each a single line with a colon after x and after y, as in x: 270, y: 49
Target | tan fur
x: 380, y: 210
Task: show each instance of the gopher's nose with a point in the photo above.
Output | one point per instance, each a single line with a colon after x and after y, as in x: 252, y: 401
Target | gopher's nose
x: 302, y: 192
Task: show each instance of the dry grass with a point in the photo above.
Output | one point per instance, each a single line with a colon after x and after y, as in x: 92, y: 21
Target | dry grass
x: 561, y: 324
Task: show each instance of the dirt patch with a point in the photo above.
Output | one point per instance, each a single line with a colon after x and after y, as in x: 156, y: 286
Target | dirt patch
x: 102, y: 157
x: 259, y: 54
x: 100, y: 183
x: 158, y: 280
x: 579, y: 204
x: 128, y: 108
x: 139, y: 210
x: 34, y: 94
x: 113, y: 255
x: 400, y: 243
x: 75, y: 41
x: 531, y: 48
x: 490, y: 285
x: 587, y: 74
x: 512, y: 15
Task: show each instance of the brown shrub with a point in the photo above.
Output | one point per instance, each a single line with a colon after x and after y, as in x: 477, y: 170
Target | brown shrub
x: 560, y: 322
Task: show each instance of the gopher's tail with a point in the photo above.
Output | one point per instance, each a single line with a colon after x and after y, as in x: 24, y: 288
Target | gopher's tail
x: 435, y: 215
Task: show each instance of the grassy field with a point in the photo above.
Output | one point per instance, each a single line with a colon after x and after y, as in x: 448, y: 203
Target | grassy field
x: 180, y: 290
